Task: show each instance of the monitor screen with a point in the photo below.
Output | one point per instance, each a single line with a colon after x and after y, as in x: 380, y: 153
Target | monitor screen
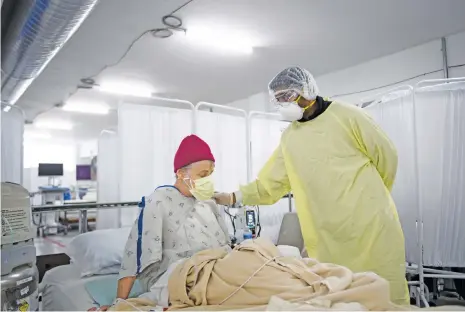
x: 83, y: 173
x: 50, y: 170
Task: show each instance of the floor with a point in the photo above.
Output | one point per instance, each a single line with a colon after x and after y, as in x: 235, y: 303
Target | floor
x: 53, y: 244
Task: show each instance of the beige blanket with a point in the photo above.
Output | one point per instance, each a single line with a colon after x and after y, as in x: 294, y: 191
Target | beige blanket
x: 253, y: 272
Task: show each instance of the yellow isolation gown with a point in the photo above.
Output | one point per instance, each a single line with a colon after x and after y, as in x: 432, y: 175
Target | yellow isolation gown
x: 340, y: 167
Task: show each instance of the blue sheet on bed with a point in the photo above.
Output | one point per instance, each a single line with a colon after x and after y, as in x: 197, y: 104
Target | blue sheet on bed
x: 103, y: 290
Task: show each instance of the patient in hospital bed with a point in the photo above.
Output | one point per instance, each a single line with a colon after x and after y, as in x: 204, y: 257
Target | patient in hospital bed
x: 175, y: 222
x: 259, y: 276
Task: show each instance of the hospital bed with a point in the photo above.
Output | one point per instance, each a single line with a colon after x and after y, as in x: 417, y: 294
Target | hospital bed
x: 63, y: 289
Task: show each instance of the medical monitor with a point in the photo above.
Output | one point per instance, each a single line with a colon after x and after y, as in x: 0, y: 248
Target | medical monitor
x: 50, y: 170
x: 83, y: 172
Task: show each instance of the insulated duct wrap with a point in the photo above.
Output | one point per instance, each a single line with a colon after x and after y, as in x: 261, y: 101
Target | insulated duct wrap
x: 37, y: 31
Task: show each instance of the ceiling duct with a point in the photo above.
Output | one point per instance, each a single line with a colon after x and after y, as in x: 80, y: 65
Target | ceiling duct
x: 38, y: 29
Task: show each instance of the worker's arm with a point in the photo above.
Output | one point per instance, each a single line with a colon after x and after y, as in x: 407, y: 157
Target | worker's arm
x: 270, y: 186
x: 374, y: 143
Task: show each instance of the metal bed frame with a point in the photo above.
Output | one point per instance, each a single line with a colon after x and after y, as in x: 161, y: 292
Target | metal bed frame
x: 82, y: 208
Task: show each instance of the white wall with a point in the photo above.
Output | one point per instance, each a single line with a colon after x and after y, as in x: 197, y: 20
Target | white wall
x: 256, y: 102
x: 394, y: 70
x: 456, y: 54
x: 87, y: 149
x: 68, y: 152
x: 47, y: 151
x: 424, y: 61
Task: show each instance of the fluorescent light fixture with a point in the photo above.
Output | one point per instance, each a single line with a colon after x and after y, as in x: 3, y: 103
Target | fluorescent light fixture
x: 6, y: 109
x: 221, y: 40
x: 53, y: 124
x: 86, y: 107
x: 36, y: 135
x: 126, y: 89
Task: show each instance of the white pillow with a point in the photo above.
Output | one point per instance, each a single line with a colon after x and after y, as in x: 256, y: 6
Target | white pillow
x: 98, y: 252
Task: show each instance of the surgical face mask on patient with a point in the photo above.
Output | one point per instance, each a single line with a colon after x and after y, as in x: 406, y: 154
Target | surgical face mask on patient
x: 203, y: 188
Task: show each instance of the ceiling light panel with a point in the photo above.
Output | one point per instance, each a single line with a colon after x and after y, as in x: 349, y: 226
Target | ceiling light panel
x: 86, y: 107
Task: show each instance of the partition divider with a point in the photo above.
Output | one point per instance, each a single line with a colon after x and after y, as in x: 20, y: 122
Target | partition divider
x: 230, y: 109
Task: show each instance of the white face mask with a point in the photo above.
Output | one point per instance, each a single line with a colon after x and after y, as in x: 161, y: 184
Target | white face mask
x: 291, y: 111
x: 204, y: 187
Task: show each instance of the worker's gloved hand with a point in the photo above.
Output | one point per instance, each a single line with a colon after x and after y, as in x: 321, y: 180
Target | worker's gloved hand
x: 225, y: 199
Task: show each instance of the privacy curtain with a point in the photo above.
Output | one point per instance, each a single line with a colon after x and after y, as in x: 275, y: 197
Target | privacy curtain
x: 12, y: 124
x: 265, y: 135
x: 108, y: 180
x: 148, y: 138
x: 440, y: 116
x: 394, y: 114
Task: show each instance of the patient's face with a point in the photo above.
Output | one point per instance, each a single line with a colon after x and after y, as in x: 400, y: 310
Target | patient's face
x: 201, y: 169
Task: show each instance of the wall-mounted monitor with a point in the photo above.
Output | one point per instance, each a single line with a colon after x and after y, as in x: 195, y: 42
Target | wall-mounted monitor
x: 83, y: 172
x: 50, y: 170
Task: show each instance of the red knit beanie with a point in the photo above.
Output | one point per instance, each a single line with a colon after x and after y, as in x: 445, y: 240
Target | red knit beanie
x: 191, y: 150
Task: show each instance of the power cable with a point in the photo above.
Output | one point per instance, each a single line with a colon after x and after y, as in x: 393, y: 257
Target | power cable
x: 89, y: 80
x: 259, y: 226
x: 126, y: 52
x: 232, y: 218
x: 394, y: 83
x: 182, y: 6
x: 388, y: 85
x: 455, y: 66
x: 133, y: 42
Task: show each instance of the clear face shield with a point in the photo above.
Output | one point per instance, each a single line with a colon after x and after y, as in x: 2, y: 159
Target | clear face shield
x: 286, y: 103
x: 284, y: 98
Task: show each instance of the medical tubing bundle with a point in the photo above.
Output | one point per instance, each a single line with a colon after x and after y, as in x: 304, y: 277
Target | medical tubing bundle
x: 232, y: 218
x: 259, y: 226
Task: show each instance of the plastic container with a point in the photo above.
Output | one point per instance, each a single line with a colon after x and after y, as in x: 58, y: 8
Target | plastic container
x: 248, y: 235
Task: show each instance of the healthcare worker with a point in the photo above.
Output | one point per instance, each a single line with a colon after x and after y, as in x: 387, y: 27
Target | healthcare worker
x: 175, y: 221
x: 340, y: 167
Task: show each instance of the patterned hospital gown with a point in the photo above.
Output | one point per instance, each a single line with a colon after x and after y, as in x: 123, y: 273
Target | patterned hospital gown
x: 170, y: 227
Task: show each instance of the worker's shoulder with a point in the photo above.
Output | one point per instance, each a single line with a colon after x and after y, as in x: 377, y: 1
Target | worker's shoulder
x: 347, y: 110
x: 346, y: 107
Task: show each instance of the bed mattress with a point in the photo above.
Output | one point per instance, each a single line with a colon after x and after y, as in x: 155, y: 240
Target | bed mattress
x: 63, y: 289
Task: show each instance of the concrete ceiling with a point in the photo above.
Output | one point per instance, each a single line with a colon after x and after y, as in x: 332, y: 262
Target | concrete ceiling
x: 321, y: 35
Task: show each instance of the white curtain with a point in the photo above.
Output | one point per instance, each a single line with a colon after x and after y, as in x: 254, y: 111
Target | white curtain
x: 108, y: 180
x: 440, y: 116
x: 148, y: 139
x: 394, y: 114
x: 265, y: 135
x: 12, y: 130
x: 226, y: 135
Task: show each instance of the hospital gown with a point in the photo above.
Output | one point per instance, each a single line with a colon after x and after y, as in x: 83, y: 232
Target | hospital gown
x: 170, y: 227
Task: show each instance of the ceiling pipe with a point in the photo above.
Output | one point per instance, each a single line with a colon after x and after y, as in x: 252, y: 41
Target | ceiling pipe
x: 37, y: 31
